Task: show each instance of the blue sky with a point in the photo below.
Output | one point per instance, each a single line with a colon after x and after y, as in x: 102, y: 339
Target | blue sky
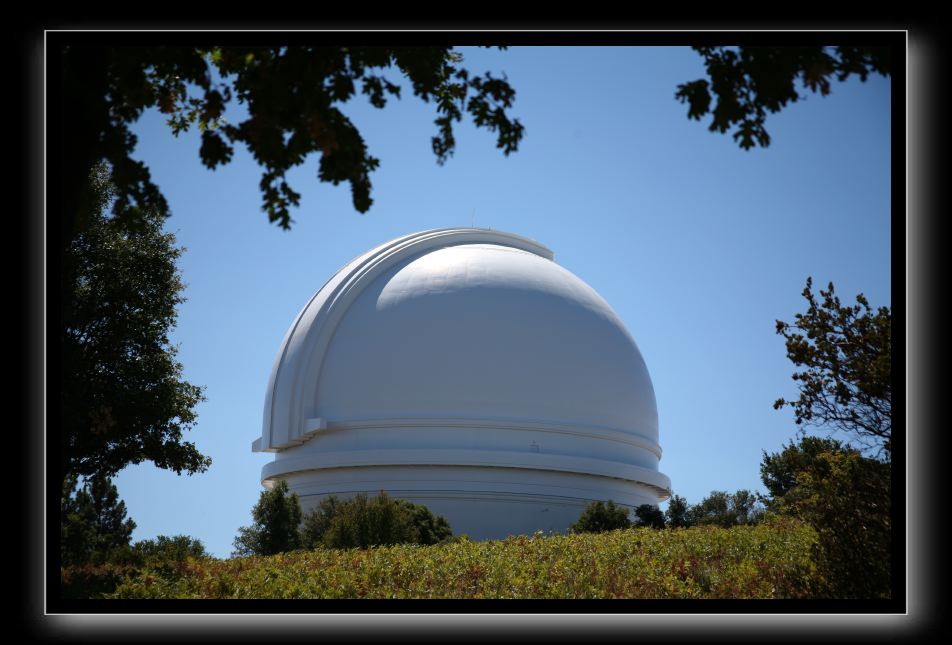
x: 698, y: 245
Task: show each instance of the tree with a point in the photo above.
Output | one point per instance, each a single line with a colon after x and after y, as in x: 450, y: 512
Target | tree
x: 846, y: 498
x: 779, y: 471
x: 650, y: 515
x: 361, y: 522
x: 749, y: 82
x: 746, y: 507
x: 293, y: 95
x: 724, y: 509
x: 277, y: 518
x: 123, y: 398
x: 316, y: 522
x: 170, y: 549
x: 677, y: 512
x: 846, y: 381
x: 713, y: 509
x: 430, y: 528
x: 93, y: 521
x: 601, y: 516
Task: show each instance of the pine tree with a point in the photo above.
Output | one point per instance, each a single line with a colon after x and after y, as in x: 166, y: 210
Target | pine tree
x: 94, y: 523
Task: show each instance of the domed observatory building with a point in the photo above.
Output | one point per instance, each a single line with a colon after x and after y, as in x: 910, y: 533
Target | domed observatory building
x: 465, y: 370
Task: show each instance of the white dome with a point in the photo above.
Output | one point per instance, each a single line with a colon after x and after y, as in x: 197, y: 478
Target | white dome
x: 464, y: 369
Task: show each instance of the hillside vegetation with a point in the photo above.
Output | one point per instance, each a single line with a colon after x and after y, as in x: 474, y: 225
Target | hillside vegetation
x: 773, y: 559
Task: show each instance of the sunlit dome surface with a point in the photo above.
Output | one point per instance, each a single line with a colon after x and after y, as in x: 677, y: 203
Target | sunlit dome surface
x: 464, y: 369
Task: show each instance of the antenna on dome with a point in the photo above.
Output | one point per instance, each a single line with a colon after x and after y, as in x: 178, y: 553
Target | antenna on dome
x: 474, y: 218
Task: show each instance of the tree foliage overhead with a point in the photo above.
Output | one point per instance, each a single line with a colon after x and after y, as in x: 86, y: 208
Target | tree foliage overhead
x: 124, y: 400
x: 845, y: 354
x: 750, y: 82
x: 293, y: 95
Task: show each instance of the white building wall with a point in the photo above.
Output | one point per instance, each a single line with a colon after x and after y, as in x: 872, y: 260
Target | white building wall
x: 463, y: 369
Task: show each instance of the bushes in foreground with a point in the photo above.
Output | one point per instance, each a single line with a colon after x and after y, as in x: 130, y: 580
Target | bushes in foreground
x: 771, y: 560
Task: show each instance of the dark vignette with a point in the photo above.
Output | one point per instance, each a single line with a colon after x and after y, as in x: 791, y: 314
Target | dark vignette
x: 476, y: 620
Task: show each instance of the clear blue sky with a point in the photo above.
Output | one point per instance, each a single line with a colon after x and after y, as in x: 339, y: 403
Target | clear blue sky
x: 698, y: 245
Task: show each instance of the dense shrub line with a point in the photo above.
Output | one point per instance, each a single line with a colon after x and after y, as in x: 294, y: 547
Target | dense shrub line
x: 770, y: 560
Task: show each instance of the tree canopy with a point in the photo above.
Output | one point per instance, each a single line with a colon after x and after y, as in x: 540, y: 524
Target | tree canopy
x: 293, y: 95
x: 724, y: 509
x: 749, y: 82
x: 123, y: 398
x: 779, y: 471
x: 845, y: 353
x: 165, y: 548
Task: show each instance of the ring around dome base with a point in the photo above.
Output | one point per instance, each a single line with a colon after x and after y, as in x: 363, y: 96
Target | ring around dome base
x: 465, y: 370
x: 483, y: 503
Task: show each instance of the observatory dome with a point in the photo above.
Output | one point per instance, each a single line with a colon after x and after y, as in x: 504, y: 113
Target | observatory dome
x: 465, y: 370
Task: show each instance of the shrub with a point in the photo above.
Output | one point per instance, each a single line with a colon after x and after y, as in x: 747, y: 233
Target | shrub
x: 176, y: 548
x: 431, y: 528
x: 317, y: 522
x: 598, y: 517
x: 363, y: 522
x: 650, y: 515
x: 92, y: 580
x: 770, y: 560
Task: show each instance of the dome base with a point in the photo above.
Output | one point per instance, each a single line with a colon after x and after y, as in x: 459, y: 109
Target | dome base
x: 483, y: 503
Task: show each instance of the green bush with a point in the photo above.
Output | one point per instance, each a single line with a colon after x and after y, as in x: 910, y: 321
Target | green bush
x: 316, y: 523
x: 724, y: 509
x: 277, y: 518
x: 650, y: 516
x: 174, y: 548
x: 601, y: 516
x: 363, y: 522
